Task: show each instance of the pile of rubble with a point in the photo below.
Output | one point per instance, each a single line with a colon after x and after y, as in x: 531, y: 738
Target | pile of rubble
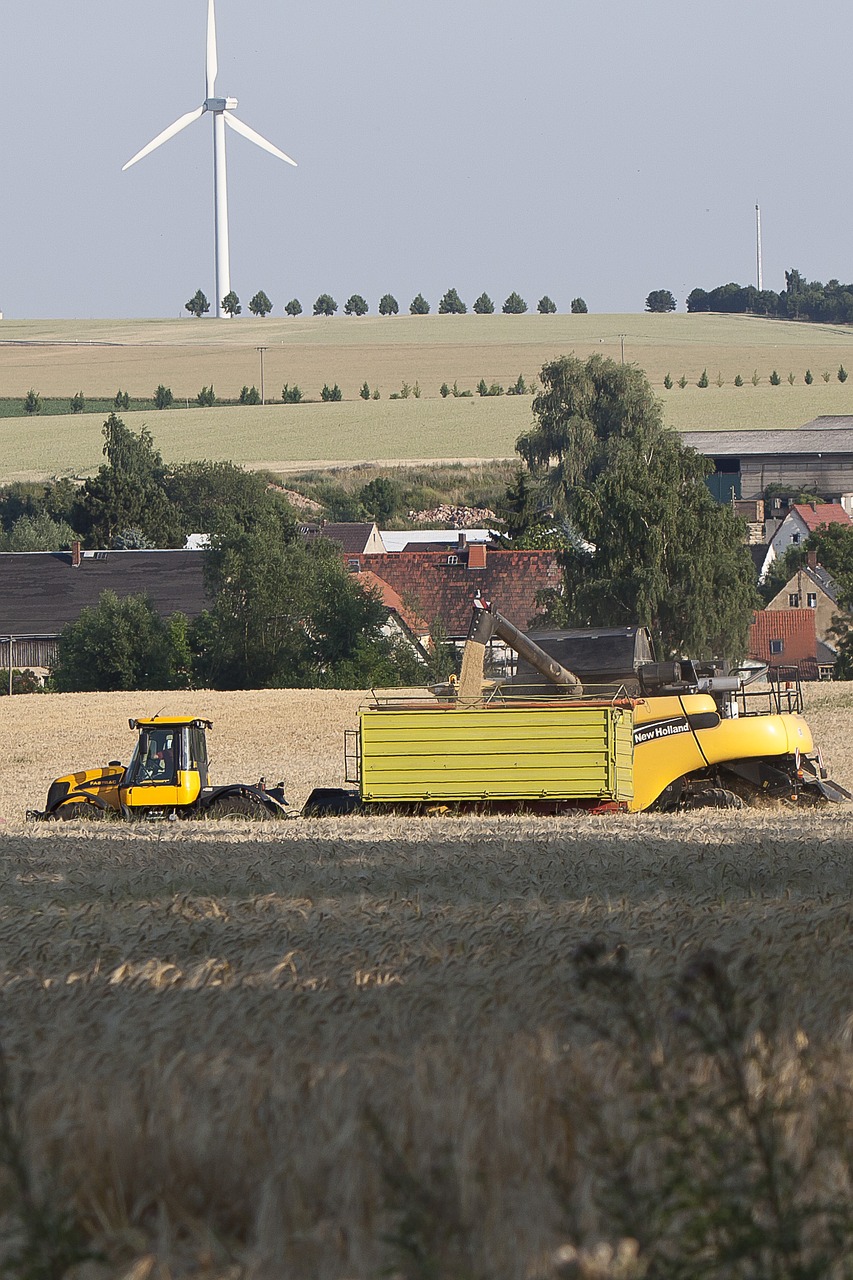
x: 456, y: 517
x: 298, y: 501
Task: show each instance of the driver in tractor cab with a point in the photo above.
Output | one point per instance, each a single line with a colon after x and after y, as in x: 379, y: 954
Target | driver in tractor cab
x: 158, y: 760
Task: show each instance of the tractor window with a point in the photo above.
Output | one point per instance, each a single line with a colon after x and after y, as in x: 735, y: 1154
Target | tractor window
x: 155, y: 758
x: 197, y: 753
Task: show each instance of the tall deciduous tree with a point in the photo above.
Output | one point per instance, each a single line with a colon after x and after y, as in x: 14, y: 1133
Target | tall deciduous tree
x: 355, y: 306
x: 260, y: 304
x: 451, y: 304
x: 127, y: 491
x: 288, y: 614
x: 650, y: 544
x: 117, y: 644
x: 660, y: 300
x: 198, y: 305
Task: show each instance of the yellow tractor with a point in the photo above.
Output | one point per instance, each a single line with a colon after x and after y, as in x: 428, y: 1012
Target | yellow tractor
x: 167, y: 777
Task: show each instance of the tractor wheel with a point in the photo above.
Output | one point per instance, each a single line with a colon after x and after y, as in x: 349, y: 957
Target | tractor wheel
x: 79, y: 809
x: 238, y: 807
x: 713, y: 798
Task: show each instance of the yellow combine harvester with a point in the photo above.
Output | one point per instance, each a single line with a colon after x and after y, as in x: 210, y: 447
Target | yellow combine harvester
x: 167, y: 777
x: 668, y: 736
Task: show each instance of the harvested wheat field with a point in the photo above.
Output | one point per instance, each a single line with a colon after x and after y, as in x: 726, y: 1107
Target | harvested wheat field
x: 463, y: 1048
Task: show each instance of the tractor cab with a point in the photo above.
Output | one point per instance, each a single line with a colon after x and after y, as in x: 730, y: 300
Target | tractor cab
x: 168, y: 767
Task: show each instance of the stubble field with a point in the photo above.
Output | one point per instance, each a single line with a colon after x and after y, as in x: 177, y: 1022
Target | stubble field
x: 433, y: 1047
x: 99, y: 357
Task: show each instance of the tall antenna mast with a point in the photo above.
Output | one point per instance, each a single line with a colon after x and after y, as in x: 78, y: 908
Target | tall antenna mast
x: 758, y: 248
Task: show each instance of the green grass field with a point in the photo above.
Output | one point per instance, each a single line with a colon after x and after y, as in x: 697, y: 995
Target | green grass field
x: 61, y: 357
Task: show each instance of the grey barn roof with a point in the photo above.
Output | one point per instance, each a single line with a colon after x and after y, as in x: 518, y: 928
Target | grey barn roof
x: 832, y: 434
x: 40, y: 591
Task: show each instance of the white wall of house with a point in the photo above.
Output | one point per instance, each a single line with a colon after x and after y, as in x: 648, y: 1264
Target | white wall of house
x: 791, y: 532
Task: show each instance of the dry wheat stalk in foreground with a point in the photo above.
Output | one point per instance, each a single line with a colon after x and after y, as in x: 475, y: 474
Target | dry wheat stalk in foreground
x: 328, y: 1048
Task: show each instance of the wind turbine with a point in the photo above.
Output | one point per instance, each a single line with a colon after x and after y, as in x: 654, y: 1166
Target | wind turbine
x: 222, y: 110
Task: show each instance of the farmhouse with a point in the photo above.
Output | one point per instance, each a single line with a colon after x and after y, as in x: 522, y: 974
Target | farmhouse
x: 811, y: 587
x: 817, y: 457
x: 356, y: 537
x: 42, y: 591
x: 801, y: 519
x: 786, y: 638
x: 444, y: 584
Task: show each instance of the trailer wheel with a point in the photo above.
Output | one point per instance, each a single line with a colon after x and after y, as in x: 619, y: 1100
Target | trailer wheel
x: 713, y: 798
x: 238, y: 807
x: 331, y: 802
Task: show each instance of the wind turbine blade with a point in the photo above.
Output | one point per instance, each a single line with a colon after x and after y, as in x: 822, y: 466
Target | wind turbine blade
x: 238, y: 127
x: 212, y: 59
x: 183, y: 123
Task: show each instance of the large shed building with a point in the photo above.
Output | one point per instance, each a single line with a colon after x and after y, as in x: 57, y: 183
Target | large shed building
x: 817, y: 456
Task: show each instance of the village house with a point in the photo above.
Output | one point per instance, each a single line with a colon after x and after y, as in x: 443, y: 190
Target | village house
x: 801, y: 520
x: 786, y: 638
x: 402, y: 623
x: 811, y: 587
x: 357, y: 538
x: 42, y: 591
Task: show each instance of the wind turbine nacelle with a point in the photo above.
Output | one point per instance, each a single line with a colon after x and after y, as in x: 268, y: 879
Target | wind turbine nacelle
x: 220, y: 104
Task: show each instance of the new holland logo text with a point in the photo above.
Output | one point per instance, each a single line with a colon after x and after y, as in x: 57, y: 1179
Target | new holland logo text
x: 660, y: 729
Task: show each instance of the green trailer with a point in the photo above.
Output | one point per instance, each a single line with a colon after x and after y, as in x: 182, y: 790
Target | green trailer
x: 552, y: 752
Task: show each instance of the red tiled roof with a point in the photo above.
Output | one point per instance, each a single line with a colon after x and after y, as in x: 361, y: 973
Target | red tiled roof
x: 814, y: 514
x: 439, y: 584
x: 795, y: 628
x: 393, y: 601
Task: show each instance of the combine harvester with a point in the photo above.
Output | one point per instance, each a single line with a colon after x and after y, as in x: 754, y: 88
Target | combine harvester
x: 643, y: 735
x: 636, y: 734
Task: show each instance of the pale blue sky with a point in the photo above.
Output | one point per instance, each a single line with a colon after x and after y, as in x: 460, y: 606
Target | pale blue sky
x: 560, y: 146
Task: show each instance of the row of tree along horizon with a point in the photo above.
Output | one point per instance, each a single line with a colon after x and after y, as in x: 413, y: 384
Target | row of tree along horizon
x: 325, y: 305
x: 163, y: 398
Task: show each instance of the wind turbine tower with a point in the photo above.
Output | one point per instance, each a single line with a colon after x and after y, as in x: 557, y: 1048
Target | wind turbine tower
x: 758, y: 262
x: 222, y: 110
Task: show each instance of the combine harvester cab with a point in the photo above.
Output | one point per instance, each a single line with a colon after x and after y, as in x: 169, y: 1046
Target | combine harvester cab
x: 167, y: 777
x: 589, y: 722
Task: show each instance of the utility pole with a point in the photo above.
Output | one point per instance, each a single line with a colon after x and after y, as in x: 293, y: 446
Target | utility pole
x: 622, y: 342
x: 260, y: 351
